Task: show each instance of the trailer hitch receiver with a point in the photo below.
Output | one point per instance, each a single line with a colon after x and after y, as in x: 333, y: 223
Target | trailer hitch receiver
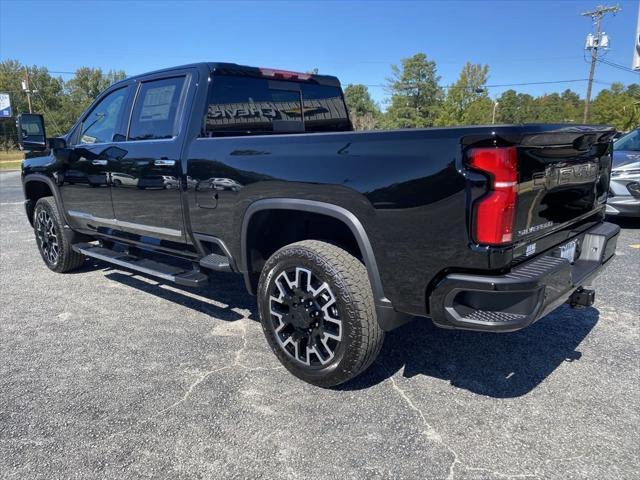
x: 582, y: 297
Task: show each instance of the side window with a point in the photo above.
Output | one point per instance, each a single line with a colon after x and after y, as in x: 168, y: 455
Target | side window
x: 245, y: 106
x: 154, y: 114
x: 101, y: 124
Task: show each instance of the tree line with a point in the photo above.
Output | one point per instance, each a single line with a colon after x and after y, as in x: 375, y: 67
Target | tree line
x: 416, y: 99
x: 61, y: 102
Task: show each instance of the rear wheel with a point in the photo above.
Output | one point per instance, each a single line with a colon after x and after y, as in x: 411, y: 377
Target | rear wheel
x: 317, y: 312
x: 54, y: 248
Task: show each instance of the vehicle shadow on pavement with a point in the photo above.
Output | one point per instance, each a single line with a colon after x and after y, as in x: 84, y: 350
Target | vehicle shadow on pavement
x: 222, y: 298
x: 500, y: 365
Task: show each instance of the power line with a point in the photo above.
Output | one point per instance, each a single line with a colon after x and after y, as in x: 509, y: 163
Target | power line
x: 537, y: 83
x: 617, y: 65
x: 520, y: 84
x: 449, y: 62
x: 600, y: 82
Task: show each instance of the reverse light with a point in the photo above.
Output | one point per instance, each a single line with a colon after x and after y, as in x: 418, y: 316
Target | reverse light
x: 284, y: 74
x: 495, y: 211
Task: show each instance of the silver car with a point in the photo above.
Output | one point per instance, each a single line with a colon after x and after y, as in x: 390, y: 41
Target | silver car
x: 624, y: 190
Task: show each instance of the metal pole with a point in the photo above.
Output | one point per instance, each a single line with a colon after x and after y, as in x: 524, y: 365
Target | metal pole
x: 493, y: 116
x: 26, y: 77
x: 636, y: 47
x: 594, y: 58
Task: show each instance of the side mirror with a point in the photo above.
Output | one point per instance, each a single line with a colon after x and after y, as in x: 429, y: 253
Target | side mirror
x: 31, y: 133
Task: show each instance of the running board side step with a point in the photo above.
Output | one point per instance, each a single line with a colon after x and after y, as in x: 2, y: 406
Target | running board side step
x: 188, y: 278
x: 216, y: 262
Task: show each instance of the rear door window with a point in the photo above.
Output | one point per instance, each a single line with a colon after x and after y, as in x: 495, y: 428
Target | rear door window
x: 155, y: 111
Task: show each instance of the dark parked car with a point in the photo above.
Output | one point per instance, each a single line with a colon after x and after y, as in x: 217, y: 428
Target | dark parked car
x: 624, y: 191
x: 342, y: 235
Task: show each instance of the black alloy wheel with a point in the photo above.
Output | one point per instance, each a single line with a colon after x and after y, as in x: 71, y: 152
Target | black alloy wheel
x: 55, y: 248
x: 317, y: 312
x: 47, y: 237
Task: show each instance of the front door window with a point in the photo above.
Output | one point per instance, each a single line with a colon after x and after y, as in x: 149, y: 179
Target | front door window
x: 101, y: 124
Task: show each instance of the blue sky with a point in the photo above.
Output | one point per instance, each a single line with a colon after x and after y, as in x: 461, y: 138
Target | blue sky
x: 522, y: 41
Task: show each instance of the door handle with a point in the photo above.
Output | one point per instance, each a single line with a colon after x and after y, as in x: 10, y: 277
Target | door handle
x: 163, y: 162
x: 99, y: 162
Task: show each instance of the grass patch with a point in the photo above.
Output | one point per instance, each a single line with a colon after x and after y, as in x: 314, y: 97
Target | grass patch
x: 14, y: 165
x: 11, y: 160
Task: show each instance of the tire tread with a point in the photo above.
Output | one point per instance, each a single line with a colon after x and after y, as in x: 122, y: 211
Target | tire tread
x: 352, y: 281
x: 69, y: 259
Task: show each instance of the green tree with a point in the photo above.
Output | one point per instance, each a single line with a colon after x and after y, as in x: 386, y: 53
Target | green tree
x: 416, y: 95
x: 478, y: 112
x: 47, y: 95
x: 86, y: 85
x: 514, y: 107
x: 61, y: 103
x: 548, y: 108
x: 467, y: 101
x: 617, y: 106
x: 572, y: 106
x: 11, y: 76
x: 363, y: 111
x: 508, y: 107
x: 87, y: 82
x: 50, y: 100
x: 565, y: 107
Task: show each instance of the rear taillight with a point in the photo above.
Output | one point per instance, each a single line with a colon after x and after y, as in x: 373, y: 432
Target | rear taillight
x: 494, y: 212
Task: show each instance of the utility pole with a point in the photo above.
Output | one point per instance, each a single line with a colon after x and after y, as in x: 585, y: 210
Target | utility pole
x: 636, y: 47
x: 594, y: 43
x: 25, y: 87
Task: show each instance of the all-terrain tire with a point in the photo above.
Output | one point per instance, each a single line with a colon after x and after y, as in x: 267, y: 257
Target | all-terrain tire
x: 54, y: 247
x: 347, y: 280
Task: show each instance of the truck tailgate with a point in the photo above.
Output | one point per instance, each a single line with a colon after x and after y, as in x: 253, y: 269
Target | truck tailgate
x: 563, y: 178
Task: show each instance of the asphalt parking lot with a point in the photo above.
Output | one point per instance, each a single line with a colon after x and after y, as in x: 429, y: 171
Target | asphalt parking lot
x: 107, y: 374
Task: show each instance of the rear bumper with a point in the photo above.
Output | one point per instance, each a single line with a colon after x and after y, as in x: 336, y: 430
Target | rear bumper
x: 504, y: 303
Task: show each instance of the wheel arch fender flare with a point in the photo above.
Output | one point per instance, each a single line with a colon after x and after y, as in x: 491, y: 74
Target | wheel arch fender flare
x: 38, y: 177
x: 70, y: 235
x: 387, y: 317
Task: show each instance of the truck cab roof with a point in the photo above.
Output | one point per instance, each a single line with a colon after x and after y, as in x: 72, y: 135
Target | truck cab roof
x: 224, y: 68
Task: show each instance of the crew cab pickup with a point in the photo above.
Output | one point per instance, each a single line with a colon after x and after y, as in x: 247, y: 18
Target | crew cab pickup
x: 342, y: 235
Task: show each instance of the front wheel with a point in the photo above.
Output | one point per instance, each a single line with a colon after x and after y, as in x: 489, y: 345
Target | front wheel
x: 54, y: 248
x: 317, y: 312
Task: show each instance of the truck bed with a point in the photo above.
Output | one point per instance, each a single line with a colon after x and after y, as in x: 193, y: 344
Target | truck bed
x: 411, y: 189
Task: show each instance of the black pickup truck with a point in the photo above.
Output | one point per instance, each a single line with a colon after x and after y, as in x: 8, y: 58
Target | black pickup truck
x: 342, y: 236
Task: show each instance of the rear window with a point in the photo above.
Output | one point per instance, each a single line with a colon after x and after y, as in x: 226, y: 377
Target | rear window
x: 246, y: 106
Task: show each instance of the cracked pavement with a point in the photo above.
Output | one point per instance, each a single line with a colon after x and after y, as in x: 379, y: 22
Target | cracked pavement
x: 107, y: 374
